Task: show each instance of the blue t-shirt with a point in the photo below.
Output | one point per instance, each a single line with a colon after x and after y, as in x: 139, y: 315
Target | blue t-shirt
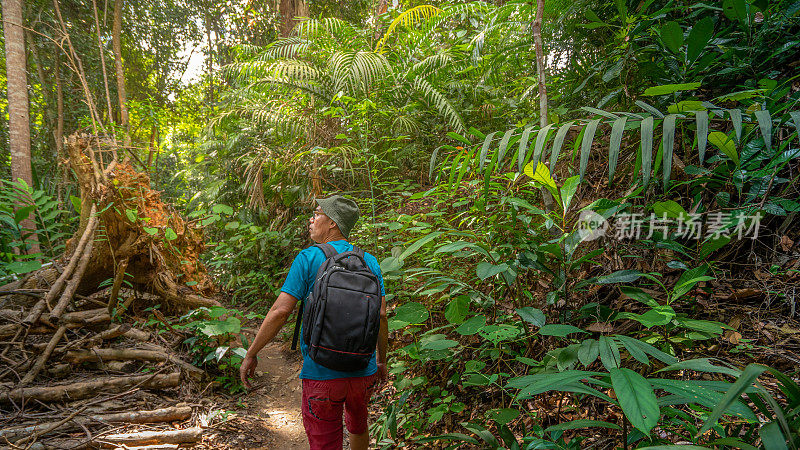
x: 299, y: 284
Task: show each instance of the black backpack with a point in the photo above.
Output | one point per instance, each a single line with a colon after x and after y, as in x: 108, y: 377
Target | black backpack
x: 341, y: 317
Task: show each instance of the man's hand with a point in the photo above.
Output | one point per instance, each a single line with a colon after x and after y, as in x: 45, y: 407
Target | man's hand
x: 247, y: 370
x: 383, y: 373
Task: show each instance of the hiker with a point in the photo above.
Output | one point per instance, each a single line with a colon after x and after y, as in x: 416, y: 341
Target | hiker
x: 334, y: 380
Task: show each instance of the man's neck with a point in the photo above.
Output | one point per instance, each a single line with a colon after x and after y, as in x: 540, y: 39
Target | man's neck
x: 337, y: 237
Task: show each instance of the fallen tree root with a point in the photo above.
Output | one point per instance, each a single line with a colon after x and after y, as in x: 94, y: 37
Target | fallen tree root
x: 122, y: 354
x: 155, y: 416
x: 153, y: 437
x: 86, y: 389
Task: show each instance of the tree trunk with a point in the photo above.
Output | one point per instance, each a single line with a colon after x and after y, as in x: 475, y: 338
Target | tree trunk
x: 116, y: 34
x: 288, y: 10
x: 19, y: 132
x: 540, y: 74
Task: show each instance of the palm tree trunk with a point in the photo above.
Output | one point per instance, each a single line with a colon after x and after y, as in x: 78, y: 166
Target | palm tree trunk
x: 116, y: 34
x: 19, y: 132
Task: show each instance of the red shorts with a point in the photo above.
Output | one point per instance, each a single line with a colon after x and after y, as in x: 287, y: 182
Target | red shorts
x: 324, y: 402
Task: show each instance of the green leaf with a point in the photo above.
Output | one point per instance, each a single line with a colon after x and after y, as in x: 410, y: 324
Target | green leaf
x: 23, y: 213
x: 620, y: 276
x: 471, y: 326
x: 150, y: 231
x: 213, y: 328
x: 672, y: 35
x: 634, y: 350
x: 502, y: 415
x: 486, y: 270
x: 636, y: 397
x: 457, y: 137
x: 647, y: 348
x: 693, y: 392
x: 522, y: 152
x: 559, y: 330
x: 20, y: 267
x: 668, y: 144
x: 724, y: 144
x: 742, y: 383
x: 76, y: 203
x: 672, y: 209
x: 658, y: 316
x: 655, y: 112
x: 132, y: 214
x: 541, y: 140
x: 736, y: 119
x: 222, y: 209
x: 170, y: 235
x: 772, y: 437
x: 712, y: 245
x: 542, y: 382
x: 559, y: 141
x: 614, y: 144
x: 701, y: 34
x: 665, y: 89
x: 647, y: 148
x: 581, y: 423
x: 542, y: 176
x: 588, y: 352
x: 532, y: 315
x: 609, y: 353
x: 439, y: 344
x: 765, y: 124
x: 586, y: 145
x: 499, y: 333
x: 501, y: 151
x: 568, y: 191
x: 639, y: 295
x: 701, y: 365
x: 485, y: 150
x: 674, y: 447
x: 411, y: 313
x: 796, y: 119
x: 457, y: 310
x: 418, y: 244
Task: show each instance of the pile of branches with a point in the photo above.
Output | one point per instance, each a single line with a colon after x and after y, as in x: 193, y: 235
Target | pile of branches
x: 74, y: 363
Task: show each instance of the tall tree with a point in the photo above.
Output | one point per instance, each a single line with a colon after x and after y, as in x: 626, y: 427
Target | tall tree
x: 18, y: 118
x: 116, y: 34
x: 540, y: 78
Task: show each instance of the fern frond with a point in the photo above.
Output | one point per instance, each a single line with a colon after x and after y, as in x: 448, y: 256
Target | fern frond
x: 440, y: 103
x: 357, y: 71
x: 408, y: 18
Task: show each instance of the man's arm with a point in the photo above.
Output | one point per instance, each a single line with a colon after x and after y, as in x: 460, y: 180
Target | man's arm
x: 383, y: 342
x: 272, y: 324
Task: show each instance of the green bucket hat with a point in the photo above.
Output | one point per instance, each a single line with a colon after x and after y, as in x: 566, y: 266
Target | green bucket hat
x: 343, y: 211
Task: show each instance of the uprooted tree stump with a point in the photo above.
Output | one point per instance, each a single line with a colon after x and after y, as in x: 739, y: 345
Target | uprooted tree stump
x: 60, y: 344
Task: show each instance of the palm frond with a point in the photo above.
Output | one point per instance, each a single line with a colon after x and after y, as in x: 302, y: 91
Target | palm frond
x: 357, y: 71
x: 440, y: 103
x: 408, y: 18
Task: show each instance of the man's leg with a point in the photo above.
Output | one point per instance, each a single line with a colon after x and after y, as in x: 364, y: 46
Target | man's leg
x: 359, y: 391
x: 323, y: 403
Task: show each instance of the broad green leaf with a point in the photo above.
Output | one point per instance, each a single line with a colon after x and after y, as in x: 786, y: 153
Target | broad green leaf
x: 222, y: 209
x: 600, y: 112
x: 635, y: 350
x: 772, y: 437
x: 620, y: 276
x: 23, y: 213
x: 522, y: 152
x: 665, y: 89
x: 658, y: 316
x: 170, y: 234
x: 439, y: 344
x: 21, y: 267
x: 765, y: 123
x: 588, y: 352
x: 457, y: 310
x: 736, y: 119
x: 668, y: 142
x: 693, y: 392
x: 701, y: 365
x: 582, y: 423
x: 724, y: 144
x: 742, y: 383
x: 586, y: 145
x: 457, y: 137
x: 614, y: 144
x: 649, y: 108
x: 568, y: 191
x: 674, y: 447
x: 712, y: 245
x: 418, y: 244
x: 532, y: 315
x: 609, y: 353
x: 474, y: 366
x: 502, y: 415
x: 702, y: 133
x: 76, y: 203
x: 411, y: 313
x: 647, y: 348
x: 486, y: 270
x: 672, y: 35
x: 499, y: 333
x: 501, y: 150
x: 733, y: 442
x: 541, y: 139
x: 672, y: 209
x: 559, y: 330
x: 458, y: 437
x: 485, y: 149
x: 647, y: 148
x: 689, y: 279
x: 471, y: 325
x: 701, y: 34
x: 559, y: 141
x: 536, y: 384
x: 150, y: 231
x: 213, y: 328
x: 636, y: 398
x: 391, y: 264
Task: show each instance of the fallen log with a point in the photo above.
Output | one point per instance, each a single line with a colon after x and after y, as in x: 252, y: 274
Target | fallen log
x: 184, y: 436
x: 43, y: 357
x: 86, y: 389
x: 122, y: 354
x: 171, y: 414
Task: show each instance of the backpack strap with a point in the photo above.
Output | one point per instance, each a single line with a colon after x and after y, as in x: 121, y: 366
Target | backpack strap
x: 329, y: 252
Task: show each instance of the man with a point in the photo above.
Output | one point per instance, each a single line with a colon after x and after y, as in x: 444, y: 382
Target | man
x: 327, y: 393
